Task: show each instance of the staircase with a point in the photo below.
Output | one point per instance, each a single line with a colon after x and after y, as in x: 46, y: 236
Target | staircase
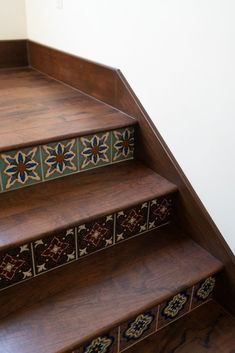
x: 93, y: 257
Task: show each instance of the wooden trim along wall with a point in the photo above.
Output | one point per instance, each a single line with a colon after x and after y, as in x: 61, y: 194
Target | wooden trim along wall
x: 13, y: 53
x: 110, y: 86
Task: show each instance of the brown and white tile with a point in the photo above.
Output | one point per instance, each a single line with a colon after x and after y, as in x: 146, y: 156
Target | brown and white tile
x: 15, y: 265
x: 131, y: 222
x: 161, y: 210
x: 95, y: 235
x: 54, y: 251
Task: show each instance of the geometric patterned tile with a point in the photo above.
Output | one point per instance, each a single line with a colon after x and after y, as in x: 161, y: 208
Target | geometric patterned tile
x: 174, y: 308
x: 54, y: 251
x: 59, y: 158
x: 203, y: 291
x: 95, y: 235
x: 15, y: 265
x: 131, y: 222
x: 138, y: 328
x: 95, y: 150
x: 160, y: 211
x: 123, y: 144
x: 107, y: 343
x: 20, y: 168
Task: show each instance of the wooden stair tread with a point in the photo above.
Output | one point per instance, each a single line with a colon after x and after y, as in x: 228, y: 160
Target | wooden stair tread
x: 103, y: 290
x: 36, y: 211
x: 36, y: 109
x: 209, y: 329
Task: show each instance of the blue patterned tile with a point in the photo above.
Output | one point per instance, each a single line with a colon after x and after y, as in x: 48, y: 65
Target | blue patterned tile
x: 203, y: 291
x: 123, y: 144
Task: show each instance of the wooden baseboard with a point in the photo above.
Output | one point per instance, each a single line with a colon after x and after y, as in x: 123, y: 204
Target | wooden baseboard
x: 13, y: 53
x: 110, y: 86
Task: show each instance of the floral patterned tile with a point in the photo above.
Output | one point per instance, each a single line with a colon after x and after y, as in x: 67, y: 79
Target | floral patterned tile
x: 59, y: 158
x: 95, y: 235
x: 137, y: 328
x: 54, y: 251
x: 174, y: 308
x: 131, y: 222
x: 15, y: 265
x: 20, y: 168
x: 95, y: 150
x: 203, y: 291
x: 161, y: 210
x: 123, y: 144
x: 107, y: 343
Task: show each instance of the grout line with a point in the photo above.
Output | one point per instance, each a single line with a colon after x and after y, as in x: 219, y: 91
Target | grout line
x: 191, y: 299
x: 158, y: 315
x: 114, y: 227
x: 148, y: 214
x: 41, y: 161
x: 33, y: 261
x: 119, y: 338
x: 76, y: 241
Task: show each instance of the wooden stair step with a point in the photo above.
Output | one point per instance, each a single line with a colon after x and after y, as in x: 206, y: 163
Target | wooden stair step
x: 68, y: 210
x: 36, y: 109
x: 104, y: 291
x: 49, y: 130
x: 209, y: 329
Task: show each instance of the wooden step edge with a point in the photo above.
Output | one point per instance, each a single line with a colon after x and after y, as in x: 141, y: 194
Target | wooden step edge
x: 115, y: 318
x: 190, y: 333
x: 64, y: 157
x: 35, y: 258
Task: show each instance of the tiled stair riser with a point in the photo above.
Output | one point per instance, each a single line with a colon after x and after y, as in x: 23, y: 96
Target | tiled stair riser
x: 32, y: 165
x: 50, y: 252
x: 151, y: 321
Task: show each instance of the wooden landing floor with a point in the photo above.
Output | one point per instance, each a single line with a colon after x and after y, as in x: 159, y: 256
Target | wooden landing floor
x: 35, y: 108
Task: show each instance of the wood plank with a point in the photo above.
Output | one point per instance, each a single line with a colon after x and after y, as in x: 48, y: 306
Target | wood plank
x: 102, y: 291
x: 92, y: 78
x: 36, y: 109
x: 28, y: 213
x: 13, y: 53
x: 209, y: 329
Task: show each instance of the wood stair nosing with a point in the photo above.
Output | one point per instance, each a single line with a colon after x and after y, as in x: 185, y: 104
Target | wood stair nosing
x: 109, y: 289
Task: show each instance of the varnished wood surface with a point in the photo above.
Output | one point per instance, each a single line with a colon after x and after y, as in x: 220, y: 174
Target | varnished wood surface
x: 96, y: 80
x: 102, y: 291
x: 35, y: 109
x: 13, y: 53
x: 39, y: 210
x: 209, y: 329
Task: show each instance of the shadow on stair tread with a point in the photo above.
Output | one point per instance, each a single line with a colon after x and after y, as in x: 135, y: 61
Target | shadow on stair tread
x: 208, y: 329
x: 101, y: 291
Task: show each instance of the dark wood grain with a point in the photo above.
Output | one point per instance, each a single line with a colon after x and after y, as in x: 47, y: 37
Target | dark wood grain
x: 36, y: 211
x: 191, y: 213
x: 100, y: 292
x: 36, y: 109
x: 13, y: 53
x: 209, y: 329
x: 96, y: 80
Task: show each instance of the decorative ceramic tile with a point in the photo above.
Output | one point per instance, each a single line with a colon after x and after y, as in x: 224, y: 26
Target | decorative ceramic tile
x: 106, y: 343
x: 203, y: 291
x: 123, y: 144
x: 59, y: 158
x: 131, y: 222
x: 15, y: 266
x: 54, y: 251
x: 95, y: 235
x: 138, y: 328
x: 20, y: 168
x: 174, y: 308
x: 160, y: 211
x: 95, y: 150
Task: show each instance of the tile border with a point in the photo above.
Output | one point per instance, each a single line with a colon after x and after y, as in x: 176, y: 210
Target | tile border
x: 98, y: 239
x: 154, y: 329
x: 49, y: 165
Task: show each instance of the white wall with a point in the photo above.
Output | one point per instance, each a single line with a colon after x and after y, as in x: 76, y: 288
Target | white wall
x: 179, y: 56
x: 12, y: 19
